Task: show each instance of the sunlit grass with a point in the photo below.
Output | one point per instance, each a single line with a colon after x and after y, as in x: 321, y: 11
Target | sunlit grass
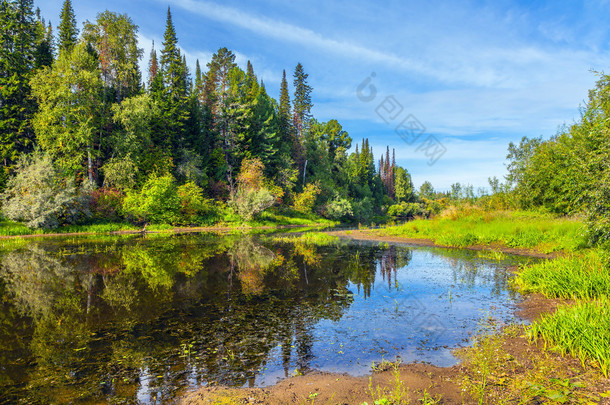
x: 515, y: 229
x: 578, y: 276
x: 582, y: 330
x: 309, y: 238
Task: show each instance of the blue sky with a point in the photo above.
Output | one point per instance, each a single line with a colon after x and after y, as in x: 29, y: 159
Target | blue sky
x: 475, y: 74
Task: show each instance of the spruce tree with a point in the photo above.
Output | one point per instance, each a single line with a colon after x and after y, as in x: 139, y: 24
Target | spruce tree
x: 174, y: 100
x: 43, y: 53
x: 17, y: 49
x: 68, y: 31
x: 286, y: 132
x: 302, y: 100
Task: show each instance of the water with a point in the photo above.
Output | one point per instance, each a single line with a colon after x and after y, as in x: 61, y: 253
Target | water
x: 139, y: 319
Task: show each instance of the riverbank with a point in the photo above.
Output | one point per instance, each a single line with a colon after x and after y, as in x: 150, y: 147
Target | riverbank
x: 519, y: 364
x: 11, y: 230
x: 497, y: 368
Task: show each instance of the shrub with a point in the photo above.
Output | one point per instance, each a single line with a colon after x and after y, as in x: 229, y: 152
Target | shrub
x: 250, y: 202
x: 405, y: 210
x: 157, y: 202
x: 41, y: 196
x: 193, y: 206
x: 106, y: 204
x: 339, y: 208
x: 305, y: 200
x: 252, y: 197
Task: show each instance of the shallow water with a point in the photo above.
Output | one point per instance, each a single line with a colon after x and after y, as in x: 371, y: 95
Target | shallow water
x: 136, y: 319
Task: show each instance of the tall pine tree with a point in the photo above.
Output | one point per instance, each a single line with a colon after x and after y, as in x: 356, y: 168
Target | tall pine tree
x: 17, y: 49
x: 302, y: 100
x: 68, y: 31
x: 173, y: 102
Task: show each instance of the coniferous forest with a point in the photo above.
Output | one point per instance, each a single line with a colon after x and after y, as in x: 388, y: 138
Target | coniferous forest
x: 87, y: 137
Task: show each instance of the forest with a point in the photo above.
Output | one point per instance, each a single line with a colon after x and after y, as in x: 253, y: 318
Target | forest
x: 86, y: 137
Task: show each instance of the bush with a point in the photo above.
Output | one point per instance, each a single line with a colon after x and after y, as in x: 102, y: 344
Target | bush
x: 193, y: 206
x: 158, y: 202
x: 41, y: 196
x: 250, y: 202
x: 405, y: 210
x: 106, y: 204
x: 252, y: 197
x: 305, y: 200
x: 339, y: 208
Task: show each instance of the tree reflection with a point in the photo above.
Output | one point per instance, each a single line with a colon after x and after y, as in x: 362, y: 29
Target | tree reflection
x: 143, y: 316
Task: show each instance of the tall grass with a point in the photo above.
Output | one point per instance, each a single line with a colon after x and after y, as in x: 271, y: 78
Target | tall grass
x: 309, y: 238
x: 517, y: 229
x: 582, y: 329
x: 582, y: 276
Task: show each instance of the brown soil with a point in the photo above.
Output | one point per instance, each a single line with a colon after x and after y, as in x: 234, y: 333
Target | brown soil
x: 329, y: 388
x: 372, y: 235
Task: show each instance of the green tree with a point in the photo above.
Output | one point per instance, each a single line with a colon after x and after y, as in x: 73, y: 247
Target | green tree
x: 302, y: 104
x: 169, y: 90
x: 403, y: 186
x: 115, y: 39
x: 70, y: 105
x: 426, y: 191
x: 68, y: 32
x: 43, y: 54
x: 17, y: 48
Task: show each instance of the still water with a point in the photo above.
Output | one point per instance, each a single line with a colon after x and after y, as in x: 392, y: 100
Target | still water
x: 139, y: 319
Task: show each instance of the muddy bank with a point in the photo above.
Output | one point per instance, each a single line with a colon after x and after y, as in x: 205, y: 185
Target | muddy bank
x: 329, y: 388
x: 371, y: 235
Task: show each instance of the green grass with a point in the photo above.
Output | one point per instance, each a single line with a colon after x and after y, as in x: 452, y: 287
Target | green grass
x: 10, y: 228
x: 516, y: 229
x: 272, y: 218
x: 289, y: 217
x: 309, y: 238
x: 582, y: 276
x: 582, y: 330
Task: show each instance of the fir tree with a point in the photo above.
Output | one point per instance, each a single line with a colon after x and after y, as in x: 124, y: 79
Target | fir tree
x: 174, y: 99
x: 68, y: 31
x: 17, y: 51
x: 302, y: 100
x: 286, y: 131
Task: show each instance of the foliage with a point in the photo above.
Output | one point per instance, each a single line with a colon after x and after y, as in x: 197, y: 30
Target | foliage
x: 41, y: 196
x: 339, y: 208
x: 106, y: 205
x: 157, y: 202
x: 405, y: 210
x: 252, y: 197
x: 305, y: 200
x: 193, y: 206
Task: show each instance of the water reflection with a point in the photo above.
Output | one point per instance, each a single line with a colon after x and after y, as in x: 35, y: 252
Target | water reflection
x: 135, y: 319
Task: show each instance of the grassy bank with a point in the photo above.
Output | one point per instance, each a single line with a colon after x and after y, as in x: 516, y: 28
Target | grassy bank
x: 515, y: 229
x: 267, y: 219
x: 581, y: 328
